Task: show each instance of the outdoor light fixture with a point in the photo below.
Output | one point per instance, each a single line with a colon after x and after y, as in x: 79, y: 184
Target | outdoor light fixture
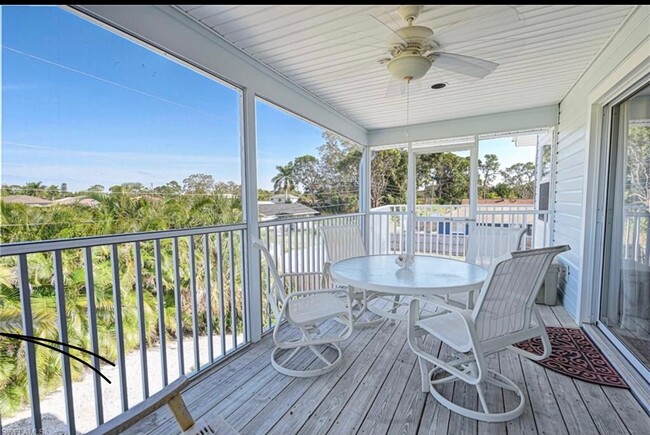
x: 409, y: 66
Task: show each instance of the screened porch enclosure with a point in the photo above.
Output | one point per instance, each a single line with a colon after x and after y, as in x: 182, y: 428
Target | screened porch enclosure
x: 150, y: 307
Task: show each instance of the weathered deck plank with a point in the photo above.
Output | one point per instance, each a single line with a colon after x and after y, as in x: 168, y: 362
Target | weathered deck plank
x: 377, y: 390
x: 329, y: 409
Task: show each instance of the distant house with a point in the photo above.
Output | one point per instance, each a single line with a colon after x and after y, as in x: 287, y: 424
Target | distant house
x: 77, y: 200
x: 281, y: 198
x: 271, y: 211
x: 524, y: 202
x: 32, y: 201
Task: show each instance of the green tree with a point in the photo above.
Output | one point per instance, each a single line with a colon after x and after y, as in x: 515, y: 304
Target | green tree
x: 169, y: 189
x: 198, y: 184
x: 446, y: 176
x: 306, y: 175
x: 284, y: 180
x: 35, y: 188
x: 388, y: 177
x: 95, y: 188
x: 488, y: 170
x: 521, y: 177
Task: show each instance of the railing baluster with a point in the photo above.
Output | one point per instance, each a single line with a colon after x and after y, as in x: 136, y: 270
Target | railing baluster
x: 94, y: 341
x: 119, y: 331
x: 242, y: 269
x: 161, y: 313
x: 178, y: 304
x: 30, y: 353
x: 62, y: 322
x: 312, y: 245
x: 233, y: 303
x: 290, y: 249
x: 194, y: 305
x: 268, y: 278
x: 282, y: 248
x: 222, y: 316
x: 208, y: 294
x: 302, y: 248
x: 137, y: 258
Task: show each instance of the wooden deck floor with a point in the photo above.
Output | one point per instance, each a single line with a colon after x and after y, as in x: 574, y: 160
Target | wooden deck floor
x: 376, y: 390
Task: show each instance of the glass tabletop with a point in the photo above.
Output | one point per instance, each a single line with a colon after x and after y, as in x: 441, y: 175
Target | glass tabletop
x: 427, y: 275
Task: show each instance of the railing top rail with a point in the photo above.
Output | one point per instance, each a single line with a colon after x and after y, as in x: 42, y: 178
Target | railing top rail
x: 387, y: 213
x: 479, y: 212
x: 310, y: 219
x: 87, y: 242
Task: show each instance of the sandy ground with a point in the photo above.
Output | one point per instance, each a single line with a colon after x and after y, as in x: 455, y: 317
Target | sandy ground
x: 53, y: 406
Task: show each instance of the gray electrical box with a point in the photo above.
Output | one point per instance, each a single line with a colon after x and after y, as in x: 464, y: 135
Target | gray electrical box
x: 548, y: 293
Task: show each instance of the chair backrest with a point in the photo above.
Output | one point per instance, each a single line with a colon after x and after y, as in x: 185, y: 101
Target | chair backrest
x: 276, y: 294
x: 342, y: 241
x: 506, y: 301
x: 487, y: 243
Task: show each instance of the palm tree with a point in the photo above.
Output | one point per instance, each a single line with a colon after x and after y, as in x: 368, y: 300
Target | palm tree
x: 284, y: 180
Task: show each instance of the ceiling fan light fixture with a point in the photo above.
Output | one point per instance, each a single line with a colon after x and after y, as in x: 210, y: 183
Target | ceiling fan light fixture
x: 409, y: 67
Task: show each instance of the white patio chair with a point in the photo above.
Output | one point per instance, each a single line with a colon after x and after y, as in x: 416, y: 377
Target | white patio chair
x: 505, y: 314
x: 342, y: 242
x: 484, y: 245
x: 487, y: 243
x: 304, y: 310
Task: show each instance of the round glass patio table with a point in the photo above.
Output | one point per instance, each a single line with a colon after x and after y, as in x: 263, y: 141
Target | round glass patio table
x: 428, y: 276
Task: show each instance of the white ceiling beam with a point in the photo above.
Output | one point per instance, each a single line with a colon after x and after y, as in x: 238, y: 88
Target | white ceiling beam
x: 526, y: 119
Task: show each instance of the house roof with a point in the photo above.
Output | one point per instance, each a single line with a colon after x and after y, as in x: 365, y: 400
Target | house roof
x: 77, y: 200
x: 502, y: 201
x: 26, y: 199
x: 285, y: 210
x: 282, y: 195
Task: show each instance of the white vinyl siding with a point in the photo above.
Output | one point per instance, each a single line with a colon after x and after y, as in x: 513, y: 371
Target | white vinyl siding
x: 572, y: 148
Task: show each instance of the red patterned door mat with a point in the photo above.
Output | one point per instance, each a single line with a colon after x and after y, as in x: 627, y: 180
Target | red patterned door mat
x: 575, y: 355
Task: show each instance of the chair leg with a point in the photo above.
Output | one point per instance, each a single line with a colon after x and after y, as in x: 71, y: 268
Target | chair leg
x: 360, y: 307
x: 424, y: 375
x: 305, y: 343
x: 494, y: 379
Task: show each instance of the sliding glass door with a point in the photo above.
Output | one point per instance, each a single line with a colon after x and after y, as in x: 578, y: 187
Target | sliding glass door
x: 625, y: 295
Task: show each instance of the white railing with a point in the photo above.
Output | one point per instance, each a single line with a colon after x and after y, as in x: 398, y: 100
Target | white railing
x: 133, y: 296
x: 296, y: 246
x: 443, y: 230
x: 142, y: 279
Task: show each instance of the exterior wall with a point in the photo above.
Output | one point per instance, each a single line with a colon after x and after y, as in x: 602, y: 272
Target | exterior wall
x: 570, y: 206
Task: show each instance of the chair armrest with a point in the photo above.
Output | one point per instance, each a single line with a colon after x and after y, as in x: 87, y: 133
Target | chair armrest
x: 464, y: 312
x: 299, y: 274
x: 319, y: 292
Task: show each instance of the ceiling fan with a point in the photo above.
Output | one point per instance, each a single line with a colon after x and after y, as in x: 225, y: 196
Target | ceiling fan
x: 414, y: 50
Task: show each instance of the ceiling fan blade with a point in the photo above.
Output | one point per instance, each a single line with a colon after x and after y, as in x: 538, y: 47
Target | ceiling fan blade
x: 394, y: 36
x: 468, y: 65
x: 397, y: 88
x: 497, y: 24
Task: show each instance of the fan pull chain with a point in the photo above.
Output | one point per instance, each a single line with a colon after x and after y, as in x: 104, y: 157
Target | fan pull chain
x: 408, y: 97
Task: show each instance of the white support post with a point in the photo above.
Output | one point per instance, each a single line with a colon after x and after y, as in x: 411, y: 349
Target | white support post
x: 410, y: 203
x: 473, y: 179
x: 249, y: 202
x: 365, y: 168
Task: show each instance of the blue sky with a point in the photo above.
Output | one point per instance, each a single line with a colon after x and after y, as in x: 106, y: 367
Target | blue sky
x: 84, y: 106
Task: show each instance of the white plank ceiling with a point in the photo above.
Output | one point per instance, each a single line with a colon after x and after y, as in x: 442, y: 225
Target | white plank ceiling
x: 332, y: 52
